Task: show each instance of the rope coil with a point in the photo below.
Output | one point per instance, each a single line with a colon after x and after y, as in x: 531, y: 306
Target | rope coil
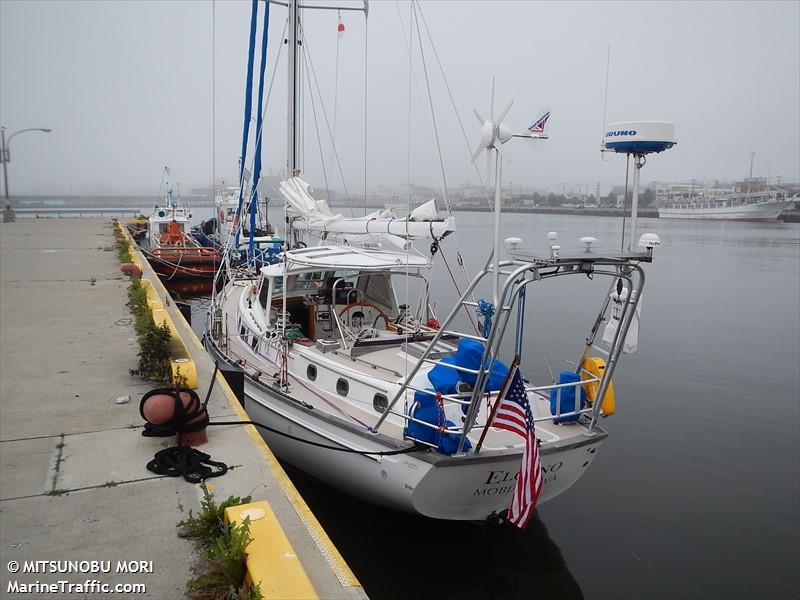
x: 186, y: 419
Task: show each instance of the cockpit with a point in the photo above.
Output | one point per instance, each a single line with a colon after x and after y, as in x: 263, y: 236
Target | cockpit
x: 350, y: 299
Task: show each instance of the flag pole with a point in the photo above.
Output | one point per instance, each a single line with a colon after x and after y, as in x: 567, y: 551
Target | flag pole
x: 500, y: 394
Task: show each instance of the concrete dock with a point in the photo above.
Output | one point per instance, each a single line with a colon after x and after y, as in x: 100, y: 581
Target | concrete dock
x: 73, y: 482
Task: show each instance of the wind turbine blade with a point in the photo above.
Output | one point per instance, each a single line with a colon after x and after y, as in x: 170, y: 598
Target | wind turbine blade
x: 481, y: 120
x: 502, y: 153
x: 491, y: 110
x: 477, y: 153
x: 488, y: 168
x: 505, y: 112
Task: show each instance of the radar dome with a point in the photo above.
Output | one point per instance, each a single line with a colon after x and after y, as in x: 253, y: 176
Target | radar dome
x: 639, y: 137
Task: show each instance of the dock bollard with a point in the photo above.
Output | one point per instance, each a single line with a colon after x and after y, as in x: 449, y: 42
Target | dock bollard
x: 130, y: 269
x: 175, y: 411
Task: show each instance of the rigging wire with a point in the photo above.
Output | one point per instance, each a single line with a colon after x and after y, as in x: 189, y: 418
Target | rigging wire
x: 605, y: 96
x: 460, y: 261
x: 229, y: 242
x: 453, y: 102
x: 433, y: 113
x: 408, y: 173
x: 327, y: 122
x: 459, y: 258
x: 336, y: 80
x: 316, y: 127
x: 256, y: 173
x: 161, y: 184
x: 409, y: 44
x: 248, y: 103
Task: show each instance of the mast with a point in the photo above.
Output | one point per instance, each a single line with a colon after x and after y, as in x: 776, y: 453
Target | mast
x: 291, y: 160
x: 291, y: 137
x: 168, y: 188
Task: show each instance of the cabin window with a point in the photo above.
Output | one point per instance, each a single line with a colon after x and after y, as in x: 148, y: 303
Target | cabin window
x: 263, y: 293
x: 342, y: 386
x: 308, y: 281
x: 380, y: 402
x: 242, y: 330
x: 254, y: 342
x: 377, y: 287
x: 311, y: 372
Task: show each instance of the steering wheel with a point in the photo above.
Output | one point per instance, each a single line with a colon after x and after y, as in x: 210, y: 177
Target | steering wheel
x: 367, y: 304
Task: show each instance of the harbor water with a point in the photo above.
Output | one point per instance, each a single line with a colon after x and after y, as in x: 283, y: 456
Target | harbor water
x: 696, y: 492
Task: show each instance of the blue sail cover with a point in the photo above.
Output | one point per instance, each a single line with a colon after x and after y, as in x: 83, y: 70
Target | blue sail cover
x: 248, y: 105
x: 259, y: 135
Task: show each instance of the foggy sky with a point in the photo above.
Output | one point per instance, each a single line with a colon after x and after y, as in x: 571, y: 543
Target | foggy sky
x: 127, y: 88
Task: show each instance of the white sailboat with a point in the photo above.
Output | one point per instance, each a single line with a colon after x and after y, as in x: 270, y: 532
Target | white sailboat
x: 380, y: 399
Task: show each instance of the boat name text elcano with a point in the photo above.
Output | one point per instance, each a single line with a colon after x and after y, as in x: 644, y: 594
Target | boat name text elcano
x: 496, y: 477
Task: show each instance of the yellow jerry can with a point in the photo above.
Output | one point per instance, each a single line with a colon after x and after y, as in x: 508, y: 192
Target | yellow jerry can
x: 595, y: 367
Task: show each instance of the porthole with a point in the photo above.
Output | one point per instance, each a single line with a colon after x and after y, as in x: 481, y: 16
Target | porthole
x: 380, y: 402
x: 342, y: 387
x: 311, y: 372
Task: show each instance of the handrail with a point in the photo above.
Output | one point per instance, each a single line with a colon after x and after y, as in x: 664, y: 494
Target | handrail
x: 618, y: 267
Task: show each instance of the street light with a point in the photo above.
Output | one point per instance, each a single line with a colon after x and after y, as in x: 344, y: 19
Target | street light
x: 5, y: 155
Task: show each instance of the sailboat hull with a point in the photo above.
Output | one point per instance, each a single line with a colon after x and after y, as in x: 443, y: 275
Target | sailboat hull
x: 427, y: 483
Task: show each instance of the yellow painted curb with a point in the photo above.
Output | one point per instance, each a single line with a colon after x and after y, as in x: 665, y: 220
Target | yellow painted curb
x: 181, y: 363
x: 330, y: 553
x: 271, y: 561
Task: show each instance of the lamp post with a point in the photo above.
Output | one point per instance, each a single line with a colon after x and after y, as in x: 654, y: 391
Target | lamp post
x: 5, y: 155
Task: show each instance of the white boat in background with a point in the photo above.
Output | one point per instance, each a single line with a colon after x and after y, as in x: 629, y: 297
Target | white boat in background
x: 218, y: 231
x: 746, y: 206
x: 173, y: 253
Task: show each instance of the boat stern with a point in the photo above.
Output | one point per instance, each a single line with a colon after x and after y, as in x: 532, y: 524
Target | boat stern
x: 473, y: 487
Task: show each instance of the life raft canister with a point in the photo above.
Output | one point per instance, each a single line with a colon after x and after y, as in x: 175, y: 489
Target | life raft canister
x: 595, y: 367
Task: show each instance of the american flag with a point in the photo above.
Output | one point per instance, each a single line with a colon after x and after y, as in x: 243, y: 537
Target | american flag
x: 539, y: 125
x: 514, y: 414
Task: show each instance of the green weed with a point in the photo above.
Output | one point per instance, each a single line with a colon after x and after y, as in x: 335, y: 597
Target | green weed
x: 221, y: 570
x: 124, y: 251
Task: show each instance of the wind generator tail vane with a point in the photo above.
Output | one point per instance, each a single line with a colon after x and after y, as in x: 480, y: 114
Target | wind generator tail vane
x: 537, y: 129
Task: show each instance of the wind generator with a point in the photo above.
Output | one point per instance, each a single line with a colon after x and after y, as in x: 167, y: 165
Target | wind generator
x: 495, y: 133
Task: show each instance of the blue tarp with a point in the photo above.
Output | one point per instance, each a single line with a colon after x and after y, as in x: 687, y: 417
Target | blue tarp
x: 444, y: 380
x: 429, y: 411
x: 567, y: 397
x: 469, y: 355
